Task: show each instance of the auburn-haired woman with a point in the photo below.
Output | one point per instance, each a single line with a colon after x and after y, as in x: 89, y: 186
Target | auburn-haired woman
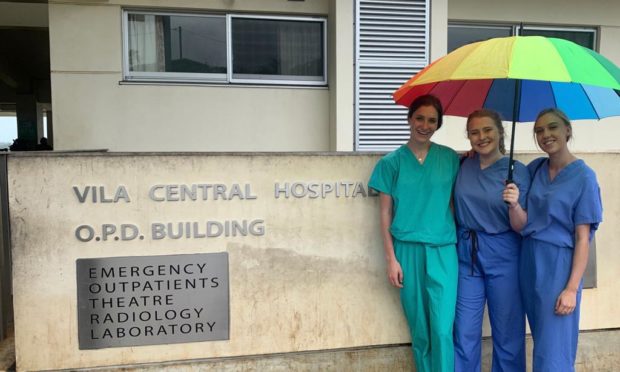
x: 417, y: 225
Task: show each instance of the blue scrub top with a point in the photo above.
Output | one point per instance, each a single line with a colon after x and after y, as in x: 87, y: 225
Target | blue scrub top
x: 556, y: 207
x: 421, y: 193
x: 478, y: 198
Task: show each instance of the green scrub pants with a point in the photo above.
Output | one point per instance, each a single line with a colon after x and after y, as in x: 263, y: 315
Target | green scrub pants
x: 428, y: 296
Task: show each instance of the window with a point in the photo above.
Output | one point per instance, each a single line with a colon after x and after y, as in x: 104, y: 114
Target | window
x: 224, y: 48
x: 460, y: 34
x: 583, y: 37
x: 277, y: 49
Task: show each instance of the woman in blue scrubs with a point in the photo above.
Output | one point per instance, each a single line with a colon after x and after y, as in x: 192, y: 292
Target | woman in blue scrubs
x: 564, y: 211
x: 487, y: 215
x: 417, y: 226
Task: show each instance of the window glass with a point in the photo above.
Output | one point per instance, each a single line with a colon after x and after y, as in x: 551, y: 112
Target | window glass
x: 459, y: 35
x: 176, y: 43
x: 277, y: 49
x: 583, y: 38
x: 224, y: 48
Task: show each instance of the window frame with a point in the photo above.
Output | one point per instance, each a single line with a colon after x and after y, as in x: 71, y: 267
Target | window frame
x: 593, y: 30
x: 230, y: 56
x: 479, y: 26
x: 530, y: 26
x: 217, y: 78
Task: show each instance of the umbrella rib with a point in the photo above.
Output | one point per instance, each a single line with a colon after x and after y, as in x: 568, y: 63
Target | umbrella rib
x: 555, y: 102
x: 486, y: 96
x: 455, y: 94
x: 589, y: 100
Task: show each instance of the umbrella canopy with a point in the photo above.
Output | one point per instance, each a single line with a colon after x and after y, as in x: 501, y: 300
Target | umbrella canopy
x: 550, y: 73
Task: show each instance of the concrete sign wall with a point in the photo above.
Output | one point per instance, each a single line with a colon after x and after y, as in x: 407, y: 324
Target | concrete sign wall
x: 305, y: 262
x: 306, y: 267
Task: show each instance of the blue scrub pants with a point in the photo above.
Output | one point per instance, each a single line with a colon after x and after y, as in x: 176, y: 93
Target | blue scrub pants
x: 428, y: 297
x: 544, y: 272
x: 492, y: 277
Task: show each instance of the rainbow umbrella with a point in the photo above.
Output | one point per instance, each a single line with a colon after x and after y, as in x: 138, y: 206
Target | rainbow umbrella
x: 519, y: 76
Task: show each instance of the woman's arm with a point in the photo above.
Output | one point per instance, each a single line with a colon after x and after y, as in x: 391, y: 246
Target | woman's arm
x: 394, y: 271
x: 567, y: 300
x: 516, y: 214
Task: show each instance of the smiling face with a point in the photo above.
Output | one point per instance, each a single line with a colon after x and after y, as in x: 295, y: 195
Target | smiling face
x: 423, y: 123
x: 483, y: 136
x: 552, y: 133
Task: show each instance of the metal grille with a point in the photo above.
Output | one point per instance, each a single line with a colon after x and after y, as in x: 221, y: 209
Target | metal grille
x: 391, y: 45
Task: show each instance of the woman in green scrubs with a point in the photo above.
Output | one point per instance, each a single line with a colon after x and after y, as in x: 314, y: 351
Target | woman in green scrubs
x: 417, y: 225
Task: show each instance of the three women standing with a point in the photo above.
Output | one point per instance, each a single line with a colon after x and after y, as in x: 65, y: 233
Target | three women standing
x: 415, y: 184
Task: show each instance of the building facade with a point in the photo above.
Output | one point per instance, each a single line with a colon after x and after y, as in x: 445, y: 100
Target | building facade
x: 276, y: 75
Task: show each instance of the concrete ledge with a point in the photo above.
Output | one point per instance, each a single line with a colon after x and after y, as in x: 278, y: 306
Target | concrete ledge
x: 598, y: 351
x: 395, y: 358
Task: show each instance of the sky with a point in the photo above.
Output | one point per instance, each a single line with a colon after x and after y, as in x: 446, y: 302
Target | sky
x: 8, y: 129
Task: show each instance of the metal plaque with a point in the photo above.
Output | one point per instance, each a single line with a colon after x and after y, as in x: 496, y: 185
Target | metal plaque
x: 149, y: 300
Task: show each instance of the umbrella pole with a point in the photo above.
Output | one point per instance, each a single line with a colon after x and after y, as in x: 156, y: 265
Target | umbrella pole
x: 516, y: 102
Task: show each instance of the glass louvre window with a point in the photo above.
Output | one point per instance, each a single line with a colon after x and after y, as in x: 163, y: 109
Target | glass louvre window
x: 224, y: 48
x: 269, y: 49
x: 176, y: 45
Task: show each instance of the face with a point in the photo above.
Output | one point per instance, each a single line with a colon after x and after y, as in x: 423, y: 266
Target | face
x: 551, y: 133
x: 423, y: 123
x: 483, y: 135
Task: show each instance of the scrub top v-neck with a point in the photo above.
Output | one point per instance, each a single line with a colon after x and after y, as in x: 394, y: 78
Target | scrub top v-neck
x: 420, y: 192
x: 478, y: 200
x: 556, y: 206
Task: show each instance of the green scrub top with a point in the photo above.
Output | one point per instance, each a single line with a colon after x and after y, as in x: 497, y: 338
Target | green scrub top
x: 421, y: 193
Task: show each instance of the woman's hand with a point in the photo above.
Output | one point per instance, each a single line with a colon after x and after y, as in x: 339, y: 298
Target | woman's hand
x: 511, y: 195
x: 469, y: 154
x: 566, y: 302
x: 395, y: 273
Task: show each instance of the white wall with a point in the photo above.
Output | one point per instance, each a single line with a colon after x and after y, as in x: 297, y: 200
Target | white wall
x: 341, y: 74
x: 92, y: 109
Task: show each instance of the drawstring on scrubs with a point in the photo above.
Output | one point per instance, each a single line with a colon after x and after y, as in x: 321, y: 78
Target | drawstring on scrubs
x: 473, y: 236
